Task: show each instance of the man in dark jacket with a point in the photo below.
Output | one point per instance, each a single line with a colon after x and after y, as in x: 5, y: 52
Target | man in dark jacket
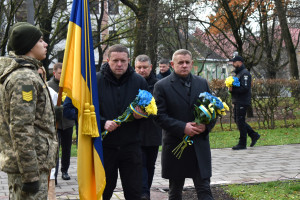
x: 118, y: 86
x: 150, y: 132
x: 241, y: 98
x: 175, y: 96
x: 164, y: 69
x: 64, y: 130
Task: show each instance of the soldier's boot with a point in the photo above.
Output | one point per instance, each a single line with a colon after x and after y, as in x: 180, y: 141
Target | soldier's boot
x: 51, y: 190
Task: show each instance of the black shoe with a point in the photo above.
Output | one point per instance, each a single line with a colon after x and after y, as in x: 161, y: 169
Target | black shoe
x: 65, y: 176
x: 254, y: 140
x: 239, y: 147
x: 145, y: 197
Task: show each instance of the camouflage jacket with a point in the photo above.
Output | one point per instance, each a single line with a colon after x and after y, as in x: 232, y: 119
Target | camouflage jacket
x: 28, y: 140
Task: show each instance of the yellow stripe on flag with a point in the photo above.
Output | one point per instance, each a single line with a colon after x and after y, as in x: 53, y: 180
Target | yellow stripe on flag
x: 78, y: 80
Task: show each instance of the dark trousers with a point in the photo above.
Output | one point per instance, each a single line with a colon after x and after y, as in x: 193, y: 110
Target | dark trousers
x: 240, y: 120
x: 128, y: 161
x: 65, y: 142
x: 202, y: 187
x: 149, y: 154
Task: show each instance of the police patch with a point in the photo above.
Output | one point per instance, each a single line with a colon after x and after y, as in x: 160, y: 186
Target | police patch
x: 246, y: 79
x: 27, y: 93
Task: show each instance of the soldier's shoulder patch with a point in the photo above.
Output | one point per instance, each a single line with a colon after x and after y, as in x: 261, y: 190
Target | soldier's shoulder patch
x: 27, y: 92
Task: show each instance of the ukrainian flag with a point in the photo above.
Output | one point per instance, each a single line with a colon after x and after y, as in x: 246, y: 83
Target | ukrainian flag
x: 78, y: 80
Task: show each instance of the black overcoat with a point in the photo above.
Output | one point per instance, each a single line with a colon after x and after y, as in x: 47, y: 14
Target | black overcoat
x: 175, y: 109
x: 115, y: 95
x: 150, y: 132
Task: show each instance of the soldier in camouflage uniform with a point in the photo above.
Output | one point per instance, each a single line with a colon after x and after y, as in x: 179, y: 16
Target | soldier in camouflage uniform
x: 28, y: 141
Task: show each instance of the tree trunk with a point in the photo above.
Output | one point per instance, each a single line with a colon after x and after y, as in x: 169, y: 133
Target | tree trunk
x: 294, y: 72
x: 30, y: 12
x: 153, y: 33
x: 141, y: 33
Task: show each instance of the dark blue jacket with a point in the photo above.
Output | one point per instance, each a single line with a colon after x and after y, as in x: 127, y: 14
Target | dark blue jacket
x: 242, y: 95
x: 70, y: 112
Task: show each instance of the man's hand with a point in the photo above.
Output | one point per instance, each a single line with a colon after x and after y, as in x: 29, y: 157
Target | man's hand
x: 191, y: 128
x: 230, y: 89
x: 110, y: 125
x: 136, y: 116
x: 202, y: 127
x: 31, y: 187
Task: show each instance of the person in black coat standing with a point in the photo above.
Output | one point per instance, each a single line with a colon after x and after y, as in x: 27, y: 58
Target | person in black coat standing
x: 175, y: 97
x: 241, y: 99
x: 150, y: 132
x: 118, y: 85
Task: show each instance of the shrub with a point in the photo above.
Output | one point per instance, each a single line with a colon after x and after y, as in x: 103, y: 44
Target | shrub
x: 271, y: 98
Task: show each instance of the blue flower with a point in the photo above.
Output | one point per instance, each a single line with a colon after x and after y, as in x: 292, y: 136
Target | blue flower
x: 218, y: 103
x: 236, y: 82
x: 205, y: 95
x: 144, y: 98
x: 212, y: 99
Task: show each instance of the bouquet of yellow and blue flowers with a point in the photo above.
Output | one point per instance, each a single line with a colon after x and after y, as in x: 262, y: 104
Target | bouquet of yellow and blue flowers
x: 232, y: 81
x: 209, y: 108
x: 143, y: 100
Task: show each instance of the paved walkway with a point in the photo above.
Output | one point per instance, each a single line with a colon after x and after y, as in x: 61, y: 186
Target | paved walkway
x: 257, y: 164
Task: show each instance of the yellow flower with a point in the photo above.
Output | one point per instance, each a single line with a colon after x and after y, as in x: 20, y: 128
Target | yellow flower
x: 151, y: 109
x: 211, y: 108
x: 63, y: 96
x: 225, y: 106
x: 229, y: 80
x: 223, y: 112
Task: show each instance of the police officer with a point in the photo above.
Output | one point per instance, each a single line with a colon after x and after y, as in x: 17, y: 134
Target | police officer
x: 241, y: 98
x: 28, y: 141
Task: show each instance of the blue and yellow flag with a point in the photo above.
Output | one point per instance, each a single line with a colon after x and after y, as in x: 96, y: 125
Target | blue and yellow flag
x: 78, y: 80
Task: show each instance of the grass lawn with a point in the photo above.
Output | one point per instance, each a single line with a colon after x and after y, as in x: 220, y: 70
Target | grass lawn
x: 279, y: 190
x: 278, y: 136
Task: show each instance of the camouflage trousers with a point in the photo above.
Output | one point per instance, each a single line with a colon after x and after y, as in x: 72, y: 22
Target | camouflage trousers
x: 15, y: 186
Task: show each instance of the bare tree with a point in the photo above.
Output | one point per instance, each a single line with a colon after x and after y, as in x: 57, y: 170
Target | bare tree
x: 141, y: 11
x: 281, y: 12
x: 53, y: 20
x: 8, y: 10
x: 174, y: 26
x: 102, y: 37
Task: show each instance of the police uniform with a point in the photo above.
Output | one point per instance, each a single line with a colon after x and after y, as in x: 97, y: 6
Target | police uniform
x: 241, y: 98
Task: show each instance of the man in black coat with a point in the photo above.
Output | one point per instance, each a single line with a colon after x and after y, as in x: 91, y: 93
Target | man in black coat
x: 175, y: 96
x: 118, y: 85
x: 241, y: 99
x: 150, y: 132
